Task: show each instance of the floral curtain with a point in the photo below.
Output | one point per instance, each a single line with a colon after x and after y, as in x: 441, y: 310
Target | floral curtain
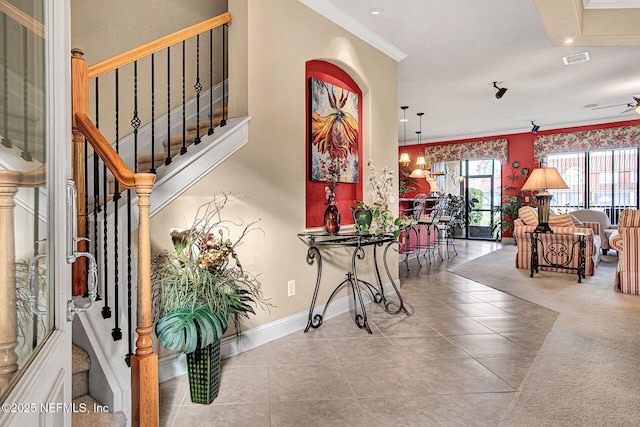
x: 588, y: 140
x: 493, y: 149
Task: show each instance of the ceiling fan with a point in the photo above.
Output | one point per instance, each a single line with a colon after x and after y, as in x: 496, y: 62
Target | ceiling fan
x: 629, y: 106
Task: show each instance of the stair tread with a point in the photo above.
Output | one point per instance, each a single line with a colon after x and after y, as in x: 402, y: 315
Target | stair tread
x: 80, y: 360
x: 90, y: 418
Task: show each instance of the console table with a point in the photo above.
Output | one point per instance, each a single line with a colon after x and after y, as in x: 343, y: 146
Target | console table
x: 321, y: 241
x: 558, y: 250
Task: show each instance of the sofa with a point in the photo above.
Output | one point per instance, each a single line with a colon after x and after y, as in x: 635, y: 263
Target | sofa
x: 527, y: 221
x: 626, y: 241
x: 606, y: 229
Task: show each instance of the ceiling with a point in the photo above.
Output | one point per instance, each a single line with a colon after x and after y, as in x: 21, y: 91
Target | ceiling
x: 450, y: 52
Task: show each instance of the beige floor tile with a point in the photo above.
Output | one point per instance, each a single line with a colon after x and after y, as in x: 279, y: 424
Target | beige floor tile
x: 511, y: 369
x: 242, y: 384
x: 308, y: 382
x: 317, y: 413
x: 231, y: 415
x: 458, y: 326
x: 480, y: 409
x: 489, y: 345
x: 300, y: 351
x: 423, y: 411
x: 478, y: 309
x: 463, y: 376
x: 383, y: 379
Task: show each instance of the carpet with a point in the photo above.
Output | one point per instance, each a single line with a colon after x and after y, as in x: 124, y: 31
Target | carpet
x: 587, y: 372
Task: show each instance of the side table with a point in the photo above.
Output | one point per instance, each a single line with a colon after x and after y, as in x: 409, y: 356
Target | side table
x: 320, y: 241
x: 558, y: 250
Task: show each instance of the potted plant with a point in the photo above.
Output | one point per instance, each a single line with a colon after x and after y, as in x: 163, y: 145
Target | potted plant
x: 202, y: 286
x: 380, y: 192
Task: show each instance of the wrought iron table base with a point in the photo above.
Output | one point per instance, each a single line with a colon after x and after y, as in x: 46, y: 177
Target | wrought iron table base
x: 558, y: 250
x: 357, y: 286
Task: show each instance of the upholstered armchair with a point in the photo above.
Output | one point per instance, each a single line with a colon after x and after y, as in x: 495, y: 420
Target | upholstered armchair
x: 527, y: 221
x: 626, y: 241
x: 606, y: 229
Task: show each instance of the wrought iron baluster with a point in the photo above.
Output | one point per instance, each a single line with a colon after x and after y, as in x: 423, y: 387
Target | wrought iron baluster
x: 167, y: 160
x: 6, y: 141
x: 106, y: 310
x: 96, y: 186
x: 183, y: 150
x: 116, y: 333
x: 26, y: 155
x: 153, y: 120
x: 198, y: 88
x: 225, y: 101
x: 135, y: 120
x: 210, y: 130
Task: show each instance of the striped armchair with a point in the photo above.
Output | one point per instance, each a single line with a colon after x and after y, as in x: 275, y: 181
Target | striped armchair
x: 527, y: 221
x: 626, y: 241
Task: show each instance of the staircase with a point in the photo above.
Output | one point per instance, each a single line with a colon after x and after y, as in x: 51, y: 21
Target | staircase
x: 96, y: 414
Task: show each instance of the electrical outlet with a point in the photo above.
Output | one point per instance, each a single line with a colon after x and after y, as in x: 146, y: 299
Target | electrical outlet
x: 291, y: 288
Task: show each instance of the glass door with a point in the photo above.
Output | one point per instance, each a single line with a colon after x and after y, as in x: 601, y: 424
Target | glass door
x: 482, y: 191
x: 35, y: 338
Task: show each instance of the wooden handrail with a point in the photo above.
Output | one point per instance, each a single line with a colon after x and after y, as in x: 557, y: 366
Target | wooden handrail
x: 137, y: 53
x: 29, y: 22
x: 100, y: 145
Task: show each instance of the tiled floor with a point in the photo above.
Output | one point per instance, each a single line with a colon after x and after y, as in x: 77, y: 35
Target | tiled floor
x: 456, y: 361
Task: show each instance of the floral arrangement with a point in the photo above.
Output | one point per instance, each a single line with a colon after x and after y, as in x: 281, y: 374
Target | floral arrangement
x: 201, y: 284
x: 381, y: 190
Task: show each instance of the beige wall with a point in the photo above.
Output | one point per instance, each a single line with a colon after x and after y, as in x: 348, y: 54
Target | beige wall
x: 103, y: 29
x: 268, y: 83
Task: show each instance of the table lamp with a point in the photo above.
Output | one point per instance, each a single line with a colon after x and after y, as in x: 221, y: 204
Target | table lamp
x: 544, y: 179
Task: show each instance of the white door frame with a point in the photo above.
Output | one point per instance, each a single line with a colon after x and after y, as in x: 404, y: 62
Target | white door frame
x: 42, y: 396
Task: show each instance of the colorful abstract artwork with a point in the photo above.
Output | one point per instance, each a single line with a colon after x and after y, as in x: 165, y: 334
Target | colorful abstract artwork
x: 334, y: 133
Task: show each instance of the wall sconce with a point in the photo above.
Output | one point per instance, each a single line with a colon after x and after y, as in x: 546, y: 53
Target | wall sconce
x: 500, y: 91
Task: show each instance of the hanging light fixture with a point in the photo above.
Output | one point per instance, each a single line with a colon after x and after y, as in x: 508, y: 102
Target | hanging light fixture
x: 421, y: 162
x: 404, y: 160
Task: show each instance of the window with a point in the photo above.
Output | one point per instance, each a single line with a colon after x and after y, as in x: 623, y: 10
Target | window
x: 604, y: 180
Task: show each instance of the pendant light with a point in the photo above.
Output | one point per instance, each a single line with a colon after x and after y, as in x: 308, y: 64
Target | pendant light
x: 418, y: 172
x: 405, y: 160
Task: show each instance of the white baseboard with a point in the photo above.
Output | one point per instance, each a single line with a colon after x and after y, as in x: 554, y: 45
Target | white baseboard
x: 175, y: 365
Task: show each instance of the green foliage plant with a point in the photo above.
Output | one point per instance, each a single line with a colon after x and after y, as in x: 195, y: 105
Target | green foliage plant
x: 201, y: 285
x: 380, y: 192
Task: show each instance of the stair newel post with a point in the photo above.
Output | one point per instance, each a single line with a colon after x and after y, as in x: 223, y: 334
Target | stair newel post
x: 144, y: 362
x: 79, y: 104
x: 8, y: 320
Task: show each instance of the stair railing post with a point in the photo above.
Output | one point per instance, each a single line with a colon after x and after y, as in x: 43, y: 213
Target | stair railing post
x: 144, y: 362
x: 8, y: 317
x: 79, y: 104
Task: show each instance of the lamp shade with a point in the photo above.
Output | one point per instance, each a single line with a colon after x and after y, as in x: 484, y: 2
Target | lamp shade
x: 404, y: 158
x: 418, y: 173
x: 544, y: 179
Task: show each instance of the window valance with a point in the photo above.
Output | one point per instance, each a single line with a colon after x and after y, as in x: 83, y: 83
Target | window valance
x: 588, y: 140
x: 478, y: 150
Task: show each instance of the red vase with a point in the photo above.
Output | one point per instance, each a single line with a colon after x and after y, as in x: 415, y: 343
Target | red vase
x: 332, y: 219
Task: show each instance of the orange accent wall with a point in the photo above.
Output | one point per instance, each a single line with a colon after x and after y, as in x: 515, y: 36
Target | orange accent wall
x: 346, y: 193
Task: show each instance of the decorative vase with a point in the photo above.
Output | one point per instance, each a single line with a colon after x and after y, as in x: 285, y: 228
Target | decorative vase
x: 332, y: 219
x: 362, y: 219
x: 203, y: 366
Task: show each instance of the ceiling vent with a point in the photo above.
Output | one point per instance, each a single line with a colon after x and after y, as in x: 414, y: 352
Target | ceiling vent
x: 575, y: 58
